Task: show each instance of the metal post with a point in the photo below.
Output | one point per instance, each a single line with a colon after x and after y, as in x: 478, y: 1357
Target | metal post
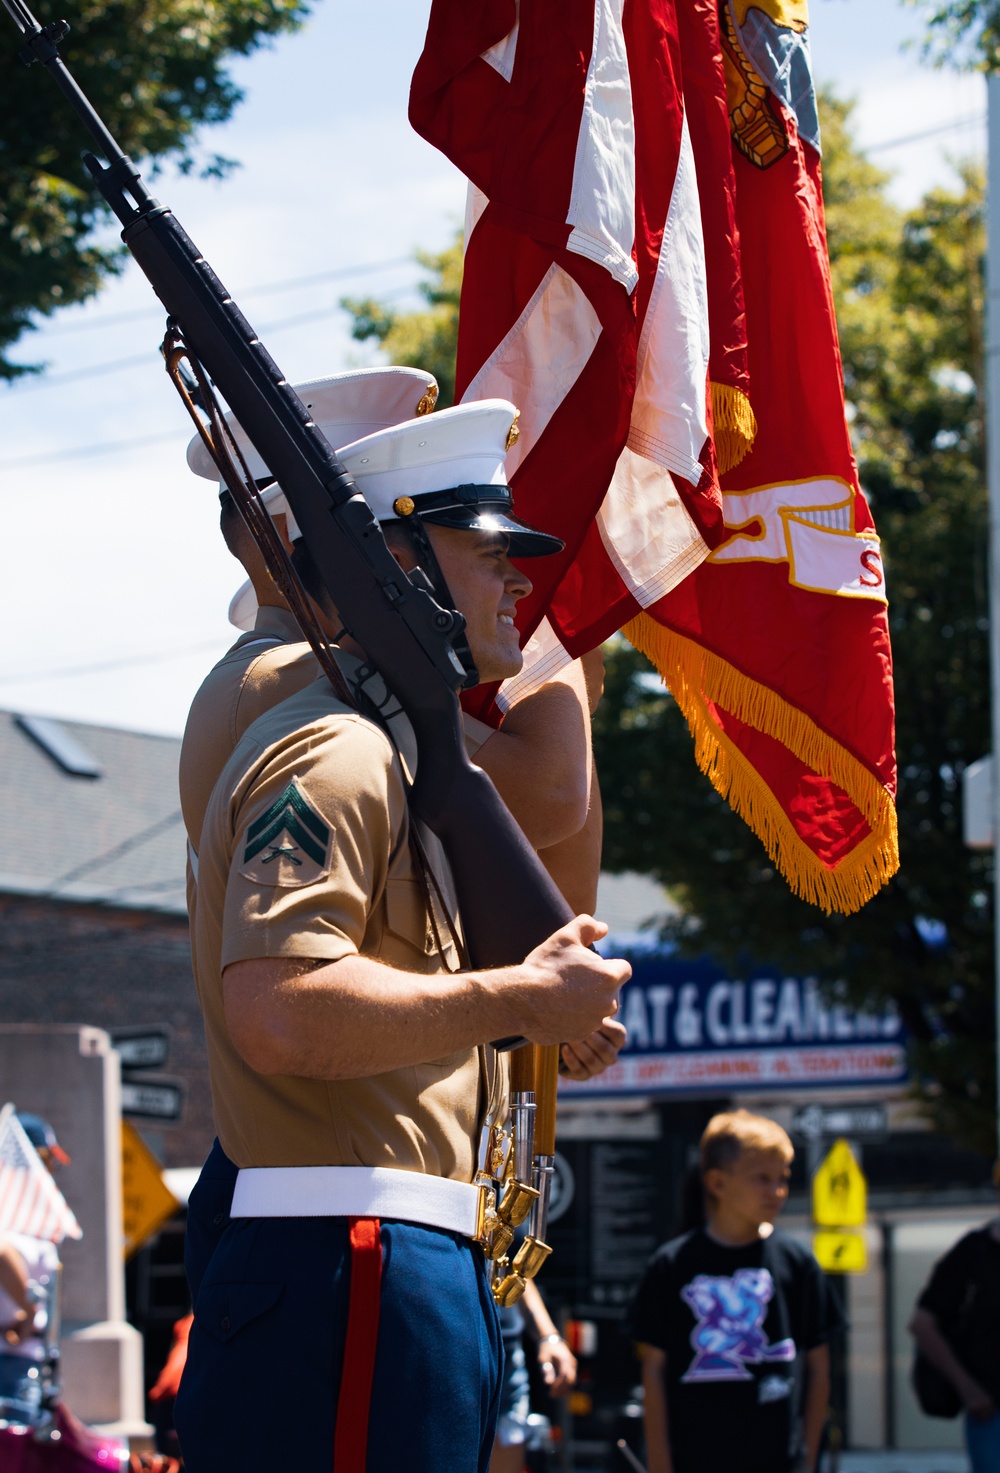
x: 993, y: 482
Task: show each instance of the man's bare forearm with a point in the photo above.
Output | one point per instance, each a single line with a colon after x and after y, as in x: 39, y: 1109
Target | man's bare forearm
x: 924, y: 1329
x: 654, y: 1410
x: 354, y: 1017
x: 817, y: 1401
x: 575, y: 863
x: 539, y: 759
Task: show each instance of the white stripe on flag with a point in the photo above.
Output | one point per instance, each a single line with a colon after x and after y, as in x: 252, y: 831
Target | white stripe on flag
x: 646, y: 529
x: 475, y: 206
x: 602, y: 202
x: 544, y: 654
x: 669, y: 413
x: 540, y: 359
x: 501, y: 55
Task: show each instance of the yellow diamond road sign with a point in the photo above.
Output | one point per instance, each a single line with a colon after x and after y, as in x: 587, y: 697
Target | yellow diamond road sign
x: 147, y: 1201
x: 840, y: 1191
x: 841, y: 1253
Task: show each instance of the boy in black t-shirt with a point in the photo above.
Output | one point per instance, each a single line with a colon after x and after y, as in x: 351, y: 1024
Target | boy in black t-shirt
x: 734, y: 1322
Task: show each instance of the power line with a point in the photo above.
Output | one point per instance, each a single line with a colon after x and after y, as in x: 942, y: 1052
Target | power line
x: 75, y: 452
x: 134, y: 841
x: 139, y: 360
x: 976, y: 120
x: 365, y: 269
x: 120, y: 662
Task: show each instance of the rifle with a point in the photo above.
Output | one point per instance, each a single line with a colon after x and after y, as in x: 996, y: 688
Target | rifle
x: 507, y: 901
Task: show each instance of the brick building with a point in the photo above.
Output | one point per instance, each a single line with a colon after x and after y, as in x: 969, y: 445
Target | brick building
x: 93, y: 920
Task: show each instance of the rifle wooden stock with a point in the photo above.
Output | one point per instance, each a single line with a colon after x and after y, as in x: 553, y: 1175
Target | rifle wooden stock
x: 546, y: 1084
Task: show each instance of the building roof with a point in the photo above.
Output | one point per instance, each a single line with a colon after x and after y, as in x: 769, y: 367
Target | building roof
x: 90, y: 814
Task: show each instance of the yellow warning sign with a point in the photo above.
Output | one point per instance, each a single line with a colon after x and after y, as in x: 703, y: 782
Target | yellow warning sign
x: 841, y: 1253
x: 147, y: 1201
x: 840, y: 1190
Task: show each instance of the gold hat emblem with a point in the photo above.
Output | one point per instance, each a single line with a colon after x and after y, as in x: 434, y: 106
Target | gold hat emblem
x: 513, y: 434
x: 404, y: 506
x: 428, y: 402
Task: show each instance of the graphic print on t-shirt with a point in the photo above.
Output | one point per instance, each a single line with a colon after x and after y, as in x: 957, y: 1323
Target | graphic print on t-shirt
x: 729, y: 1334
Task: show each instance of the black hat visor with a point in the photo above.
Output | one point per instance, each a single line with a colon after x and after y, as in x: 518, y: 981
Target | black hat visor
x: 485, y: 509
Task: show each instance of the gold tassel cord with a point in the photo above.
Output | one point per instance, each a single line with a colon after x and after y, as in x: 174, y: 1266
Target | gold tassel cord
x: 695, y: 677
x: 734, y: 425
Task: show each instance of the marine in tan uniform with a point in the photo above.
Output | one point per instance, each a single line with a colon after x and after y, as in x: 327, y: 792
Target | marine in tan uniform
x: 540, y: 760
x: 271, y: 661
x: 348, y: 1067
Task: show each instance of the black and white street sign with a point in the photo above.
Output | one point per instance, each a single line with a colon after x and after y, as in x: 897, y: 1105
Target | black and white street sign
x: 855, y: 1122
x: 149, y: 1101
x: 141, y: 1048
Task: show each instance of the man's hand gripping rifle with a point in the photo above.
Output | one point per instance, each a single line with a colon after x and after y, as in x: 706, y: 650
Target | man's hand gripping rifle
x: 507, y: 901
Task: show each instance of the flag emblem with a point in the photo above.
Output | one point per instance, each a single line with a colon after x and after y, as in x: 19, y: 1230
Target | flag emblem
x: 289, y: 844
x: 30, y: 1201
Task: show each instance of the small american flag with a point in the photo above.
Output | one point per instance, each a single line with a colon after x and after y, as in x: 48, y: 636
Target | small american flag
x: 30, y: 1201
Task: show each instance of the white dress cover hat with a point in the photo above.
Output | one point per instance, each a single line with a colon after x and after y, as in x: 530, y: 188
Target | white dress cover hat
x: 448, y: 469
x: 346, y: 407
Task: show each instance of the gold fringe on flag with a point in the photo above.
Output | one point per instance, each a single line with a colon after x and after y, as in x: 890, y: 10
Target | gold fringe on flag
x: 695, y: 676
x: 734, y: 425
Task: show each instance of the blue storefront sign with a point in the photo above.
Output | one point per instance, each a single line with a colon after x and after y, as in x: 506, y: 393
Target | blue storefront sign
x: 693, y: 1028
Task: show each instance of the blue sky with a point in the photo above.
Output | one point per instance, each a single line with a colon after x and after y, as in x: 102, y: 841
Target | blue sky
x: 116, y: 583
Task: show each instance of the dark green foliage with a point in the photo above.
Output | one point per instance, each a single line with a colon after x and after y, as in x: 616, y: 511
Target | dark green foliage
x: 909, y: 293
x: 155, y: 71
x: 962, y: 32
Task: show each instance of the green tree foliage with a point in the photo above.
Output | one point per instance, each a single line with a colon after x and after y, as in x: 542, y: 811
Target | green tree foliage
x: 962, y: 32
x: 155, y: 70
x: 425, y: 339
x: 909, y: 294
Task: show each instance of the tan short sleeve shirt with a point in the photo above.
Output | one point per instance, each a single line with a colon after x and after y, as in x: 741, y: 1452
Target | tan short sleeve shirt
x: 263, y: 668
x: 306, y: 853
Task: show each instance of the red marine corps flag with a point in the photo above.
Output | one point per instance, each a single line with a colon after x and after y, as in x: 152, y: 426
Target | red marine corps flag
x: 637, y: 172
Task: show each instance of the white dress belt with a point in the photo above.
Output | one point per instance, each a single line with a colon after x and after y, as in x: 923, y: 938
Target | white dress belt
x: 357, y: 1191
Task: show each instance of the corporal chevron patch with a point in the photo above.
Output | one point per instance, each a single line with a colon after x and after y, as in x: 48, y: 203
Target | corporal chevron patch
x: 290, y: 844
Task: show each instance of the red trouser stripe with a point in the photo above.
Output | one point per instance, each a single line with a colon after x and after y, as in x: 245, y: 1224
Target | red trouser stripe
x: 350, y: 1442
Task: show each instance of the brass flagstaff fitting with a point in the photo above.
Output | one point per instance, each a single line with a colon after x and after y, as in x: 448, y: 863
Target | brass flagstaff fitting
x: 509, y: 1290
x: 530, y: 1257
x: 517, y: 1201
x: 486, y: 1203
x: 497, y: 1236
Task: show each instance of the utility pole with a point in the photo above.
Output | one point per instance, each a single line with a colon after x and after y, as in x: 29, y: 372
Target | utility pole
x: 992, y: 428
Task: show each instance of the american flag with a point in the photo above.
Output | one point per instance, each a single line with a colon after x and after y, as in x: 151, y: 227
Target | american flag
x: 30, y: 1201
x: 584, y: 294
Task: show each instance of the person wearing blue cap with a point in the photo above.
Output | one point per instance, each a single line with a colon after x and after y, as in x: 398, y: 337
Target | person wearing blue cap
x: 347, y: 1049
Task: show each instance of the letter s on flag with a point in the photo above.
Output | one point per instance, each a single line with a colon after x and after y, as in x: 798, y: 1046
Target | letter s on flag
x: 871, y: 561
x: 810, y: 525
